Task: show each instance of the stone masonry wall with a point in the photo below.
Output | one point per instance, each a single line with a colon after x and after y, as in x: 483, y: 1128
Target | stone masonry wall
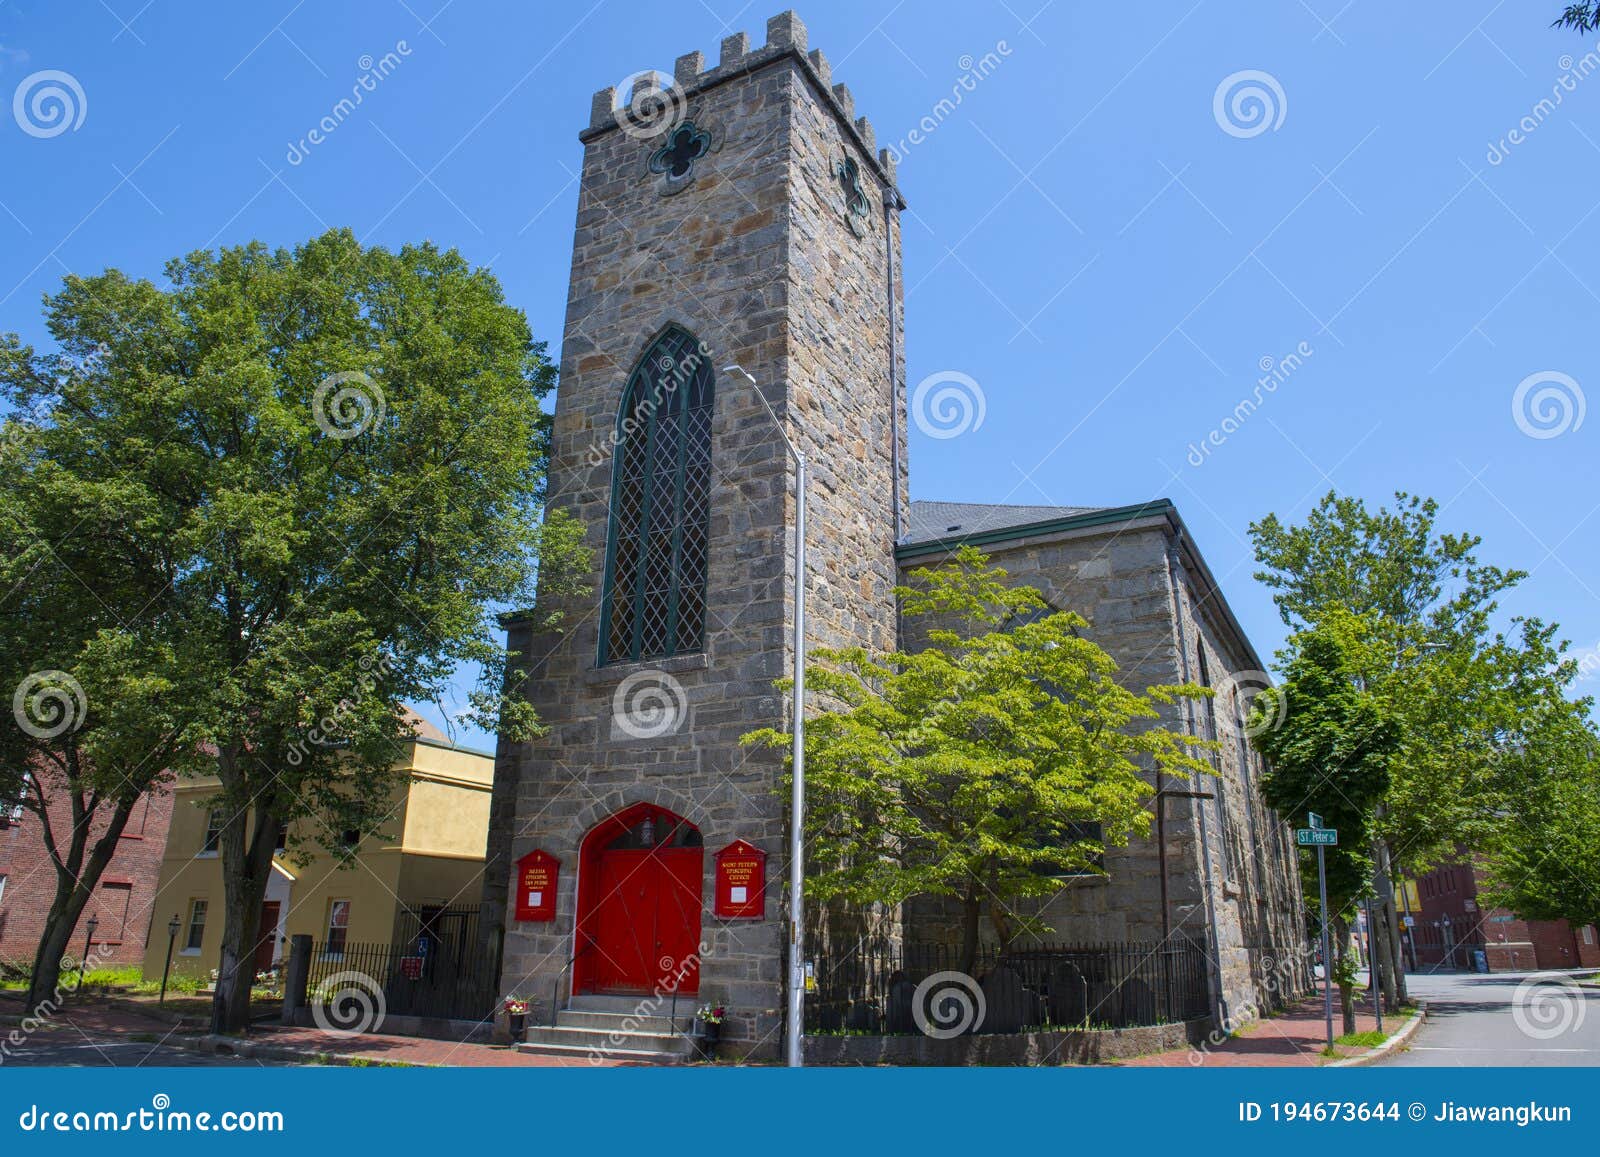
x: 755, y: 258
x: 1119, y: 577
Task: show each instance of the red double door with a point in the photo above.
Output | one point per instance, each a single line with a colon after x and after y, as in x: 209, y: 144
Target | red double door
x: 641, y: 931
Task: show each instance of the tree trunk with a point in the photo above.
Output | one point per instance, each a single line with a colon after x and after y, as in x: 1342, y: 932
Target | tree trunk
x: 971, y: 915
x: 1394, y: 981
x: 247, y: 849
x: 1347, y: 1006
x: 45, y: 992
x: 243, y: 891
x: 77, y: 875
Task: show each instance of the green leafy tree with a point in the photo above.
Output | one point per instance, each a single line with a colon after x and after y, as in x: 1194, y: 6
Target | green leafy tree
x: 1330, y: 745
x: 95, y: 689
x: 1583, y: 17
x: 967, y: 768
x: 331, y: 461
x: 1464, y: 693
x: 1548, y: 866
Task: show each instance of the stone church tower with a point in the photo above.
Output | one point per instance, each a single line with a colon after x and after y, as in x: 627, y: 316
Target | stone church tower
x: 738, y: 214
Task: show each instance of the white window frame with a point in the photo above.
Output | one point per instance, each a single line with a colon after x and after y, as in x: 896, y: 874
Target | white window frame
x: 210, y: 848
x: 333, y: 905
x: 189, y: 925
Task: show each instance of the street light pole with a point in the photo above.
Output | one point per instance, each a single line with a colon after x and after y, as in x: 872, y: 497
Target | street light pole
x: 166, y: 969
x: 794, y: 1024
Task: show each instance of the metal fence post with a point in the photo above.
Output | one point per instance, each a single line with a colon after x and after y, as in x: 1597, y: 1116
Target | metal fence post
x: 297, y: 976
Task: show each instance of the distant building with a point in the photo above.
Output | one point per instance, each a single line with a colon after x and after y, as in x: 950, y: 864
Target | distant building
x: 121, y: 904
x: 427, y: 858
x: 1450, y: 930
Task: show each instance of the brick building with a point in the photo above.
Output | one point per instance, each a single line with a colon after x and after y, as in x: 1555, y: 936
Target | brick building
x: 741, y: 214
x: 122, y: 902
x: 1451, y: 930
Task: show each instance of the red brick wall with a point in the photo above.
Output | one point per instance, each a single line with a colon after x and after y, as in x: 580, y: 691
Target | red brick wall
x: 1510, y: 942
x: 121, y: 902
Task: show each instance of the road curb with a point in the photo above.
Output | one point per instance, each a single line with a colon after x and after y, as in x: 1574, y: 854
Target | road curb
x: 1387, y: 1046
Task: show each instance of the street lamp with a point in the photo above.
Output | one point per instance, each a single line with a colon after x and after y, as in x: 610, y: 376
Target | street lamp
x: 794, y: 1023
x: 88, y: 939
x: 172, y: 935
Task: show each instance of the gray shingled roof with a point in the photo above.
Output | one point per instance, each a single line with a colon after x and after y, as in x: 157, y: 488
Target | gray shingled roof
x: 932, y: 521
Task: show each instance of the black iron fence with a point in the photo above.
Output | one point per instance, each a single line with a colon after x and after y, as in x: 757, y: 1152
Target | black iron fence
x: 434, y: 967
x: 931, y: 989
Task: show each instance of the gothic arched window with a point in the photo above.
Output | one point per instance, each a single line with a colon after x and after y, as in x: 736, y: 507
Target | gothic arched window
x: 655, y: 590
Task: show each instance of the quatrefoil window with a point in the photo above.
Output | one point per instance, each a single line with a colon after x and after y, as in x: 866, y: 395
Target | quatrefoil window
x: 684, y: 145
x: 855, y: 197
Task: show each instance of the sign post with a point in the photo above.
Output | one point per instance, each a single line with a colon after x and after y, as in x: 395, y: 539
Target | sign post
x: 1375, y: 977
x: 1320, y: 837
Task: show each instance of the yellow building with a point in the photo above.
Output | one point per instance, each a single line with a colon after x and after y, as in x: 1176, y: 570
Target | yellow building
x: 428, y: 858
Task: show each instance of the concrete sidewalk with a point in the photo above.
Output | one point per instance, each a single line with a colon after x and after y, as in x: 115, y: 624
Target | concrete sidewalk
x: 112, y: 1019
x: 1294, y: 1038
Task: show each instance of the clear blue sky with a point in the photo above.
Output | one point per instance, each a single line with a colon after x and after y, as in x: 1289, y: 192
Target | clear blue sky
x: 1085, y: 240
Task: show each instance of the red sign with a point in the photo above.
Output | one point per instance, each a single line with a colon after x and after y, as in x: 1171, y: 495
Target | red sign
x: 741, y: 886
x: 411, y: 967
x: 537, y: 873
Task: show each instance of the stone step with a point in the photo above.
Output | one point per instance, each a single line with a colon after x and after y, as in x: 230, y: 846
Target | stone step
x: 605, y: 1042
x: 623, y: 1022
x: 644, y: 1003
x: 637, y: 1056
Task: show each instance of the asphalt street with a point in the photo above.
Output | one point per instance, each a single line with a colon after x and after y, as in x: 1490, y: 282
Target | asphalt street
x: 1517, y: 1019
x: 54, y: 1048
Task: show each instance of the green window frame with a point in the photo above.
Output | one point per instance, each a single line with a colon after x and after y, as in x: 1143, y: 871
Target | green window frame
x: 654, y: 601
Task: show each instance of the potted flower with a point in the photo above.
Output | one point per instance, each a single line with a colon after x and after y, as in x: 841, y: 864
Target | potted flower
x: 517, y: 1017
x: 710, y: 1018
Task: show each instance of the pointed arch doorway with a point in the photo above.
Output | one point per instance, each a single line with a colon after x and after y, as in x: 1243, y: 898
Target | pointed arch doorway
x: 639, y: 904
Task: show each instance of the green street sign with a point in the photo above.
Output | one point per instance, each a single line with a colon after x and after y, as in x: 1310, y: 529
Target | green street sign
x: 1314, y: 819
x: 1312, y: 837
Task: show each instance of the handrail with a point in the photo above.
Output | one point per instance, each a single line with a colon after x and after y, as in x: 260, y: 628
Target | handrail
x: 555, y: 985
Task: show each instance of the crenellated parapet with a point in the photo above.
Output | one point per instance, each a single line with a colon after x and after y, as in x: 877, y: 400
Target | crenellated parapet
x: 786, y: 41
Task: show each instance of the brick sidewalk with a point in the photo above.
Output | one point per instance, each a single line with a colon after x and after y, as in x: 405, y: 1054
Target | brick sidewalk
x: 96, y: 1017
x: 1293, y: 1038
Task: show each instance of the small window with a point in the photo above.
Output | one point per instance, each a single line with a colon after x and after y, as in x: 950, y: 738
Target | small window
x: 197, y: 926
x: 282, y: 840
x: 338, y: 929
x: 1588, y: 929
x: 137, y: 818
x: 213, y: 832
x: 349, y: 839
x: 3, y: 888
x: 116, y: 904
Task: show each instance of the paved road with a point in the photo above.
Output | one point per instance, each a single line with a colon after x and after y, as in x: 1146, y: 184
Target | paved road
x: 1504, y: 1019
x: 76, y: 1051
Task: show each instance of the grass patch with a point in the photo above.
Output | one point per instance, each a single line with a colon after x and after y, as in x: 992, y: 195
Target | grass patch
x: 1365, y: 1040
x: 127, y: 976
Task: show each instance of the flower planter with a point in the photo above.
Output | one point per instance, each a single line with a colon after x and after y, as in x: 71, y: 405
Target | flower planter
x: 519, y: 1026
x: 710, y: 1037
